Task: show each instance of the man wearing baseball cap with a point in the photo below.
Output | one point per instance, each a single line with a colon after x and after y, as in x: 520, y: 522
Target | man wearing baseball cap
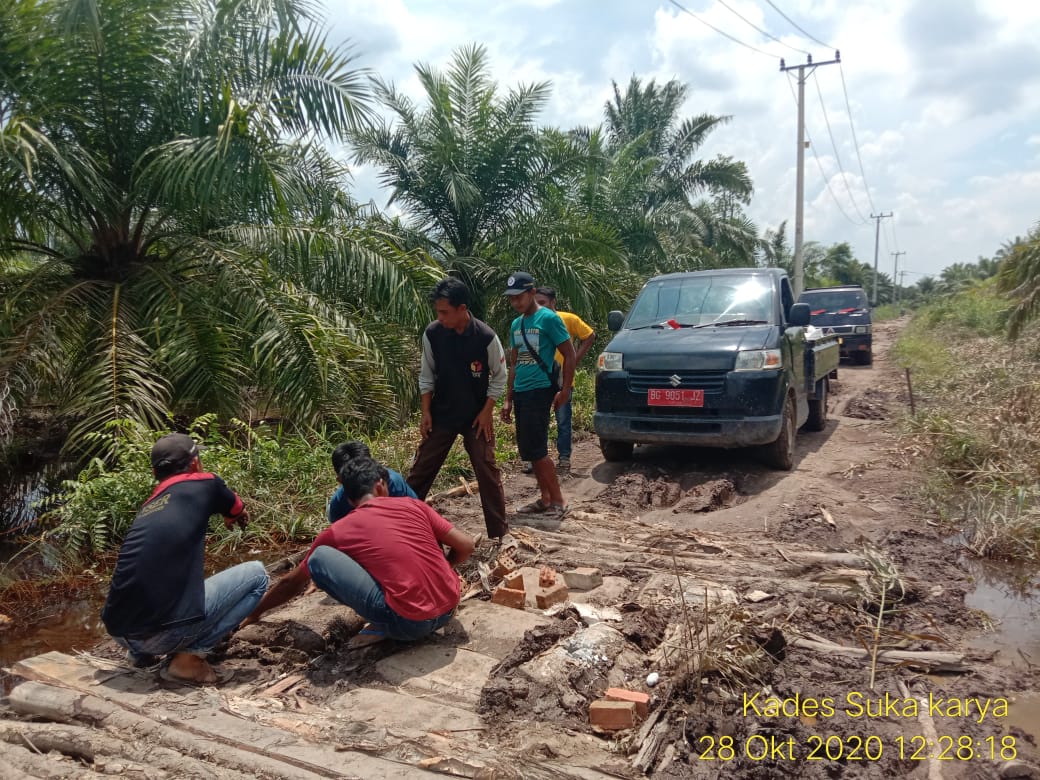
x: 159, y: 602
x: 535, y: 387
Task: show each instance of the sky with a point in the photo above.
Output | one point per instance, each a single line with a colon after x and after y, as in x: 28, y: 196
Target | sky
x: 941, y: 127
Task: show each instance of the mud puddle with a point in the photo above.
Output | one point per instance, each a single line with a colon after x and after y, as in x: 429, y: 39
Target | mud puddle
x: 1010, y: 597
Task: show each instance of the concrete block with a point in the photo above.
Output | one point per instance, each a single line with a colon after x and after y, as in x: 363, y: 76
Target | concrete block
x: 584, y: 578
x: 546, y: 597
x: 515, y: 581
x: 612, y: 715
x: 641, y: 700
x: 509, y: 597
x: 546, y: 577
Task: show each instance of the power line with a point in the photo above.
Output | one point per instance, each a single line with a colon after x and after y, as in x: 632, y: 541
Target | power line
x: 852, y: 126
x: 823, y: 175
x: 799, y: 29
x: 834, y: 146
x: 686, y: 10
x: 764, y: 32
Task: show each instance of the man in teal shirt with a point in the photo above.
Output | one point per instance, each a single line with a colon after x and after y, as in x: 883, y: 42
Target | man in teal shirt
x: 534, y: 338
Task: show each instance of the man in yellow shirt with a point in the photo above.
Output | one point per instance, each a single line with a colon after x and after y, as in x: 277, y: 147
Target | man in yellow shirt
x: 583, y: 332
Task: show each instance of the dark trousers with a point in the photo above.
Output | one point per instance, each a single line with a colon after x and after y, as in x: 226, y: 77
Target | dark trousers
x: 430, y: 457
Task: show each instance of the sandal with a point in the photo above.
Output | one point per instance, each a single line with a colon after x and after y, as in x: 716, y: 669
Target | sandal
x: 536, y: 507
x: 368, y: 635
x: 222, y: 676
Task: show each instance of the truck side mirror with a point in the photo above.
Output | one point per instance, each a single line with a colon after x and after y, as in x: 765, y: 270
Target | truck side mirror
x: 614, y: 320
x: 799, y: 314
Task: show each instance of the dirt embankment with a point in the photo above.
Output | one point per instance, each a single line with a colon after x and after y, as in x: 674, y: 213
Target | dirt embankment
x: 752, y: 595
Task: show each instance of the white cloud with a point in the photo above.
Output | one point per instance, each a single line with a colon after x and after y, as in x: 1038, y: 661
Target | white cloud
x: 944, y: 116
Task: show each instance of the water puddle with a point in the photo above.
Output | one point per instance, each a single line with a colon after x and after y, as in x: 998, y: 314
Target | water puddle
x: 1010, y: 595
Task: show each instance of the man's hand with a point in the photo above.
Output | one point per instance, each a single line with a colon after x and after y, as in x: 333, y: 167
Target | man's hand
x: 506, y: 412
x: 425, y: 424
x: 248, y: 622
x: 561, y: 397
x: 241, y: 519
x: 485, y: 422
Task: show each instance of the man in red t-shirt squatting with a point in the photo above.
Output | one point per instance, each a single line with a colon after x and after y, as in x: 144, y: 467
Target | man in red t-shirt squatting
x: 384, y: 560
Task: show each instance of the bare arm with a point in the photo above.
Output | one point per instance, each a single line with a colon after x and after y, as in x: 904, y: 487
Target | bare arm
x: 507, y: 403
x: 584, y: 346
x: 566, y: 349
x: 461, y: 545
x: 289, y: 586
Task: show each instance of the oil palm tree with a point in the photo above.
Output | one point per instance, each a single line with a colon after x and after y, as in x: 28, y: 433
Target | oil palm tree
x: 1019, y: 278
x: 174, y: 237
x: 471, y: 170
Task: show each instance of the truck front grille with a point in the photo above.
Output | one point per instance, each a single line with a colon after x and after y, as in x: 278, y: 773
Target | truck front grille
x: 708, y: 381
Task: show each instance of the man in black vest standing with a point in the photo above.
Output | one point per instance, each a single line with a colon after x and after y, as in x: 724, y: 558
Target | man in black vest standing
x: 463, y: 374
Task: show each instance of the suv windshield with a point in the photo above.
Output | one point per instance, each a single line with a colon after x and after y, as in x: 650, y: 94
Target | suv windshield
x: 834, y: 300
x: 703, y: 300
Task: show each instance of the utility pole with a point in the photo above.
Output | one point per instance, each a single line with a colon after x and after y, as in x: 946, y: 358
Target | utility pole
x: 799, y: 207
x: 877, y: 234
x: 895, y: 277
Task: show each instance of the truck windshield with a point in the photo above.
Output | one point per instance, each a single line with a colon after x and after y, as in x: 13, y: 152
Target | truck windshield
x: 703, y: 300
x: 834, y: 300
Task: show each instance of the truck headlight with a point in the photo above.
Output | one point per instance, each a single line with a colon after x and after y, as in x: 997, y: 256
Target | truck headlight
x: 610, y: 361
x: 758, y: 360
x: 861, y: 329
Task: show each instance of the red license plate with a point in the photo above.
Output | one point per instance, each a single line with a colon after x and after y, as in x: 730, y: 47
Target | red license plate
x: 661, y: 397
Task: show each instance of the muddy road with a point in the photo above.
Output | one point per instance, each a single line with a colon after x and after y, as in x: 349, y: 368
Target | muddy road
x: 754, y: 596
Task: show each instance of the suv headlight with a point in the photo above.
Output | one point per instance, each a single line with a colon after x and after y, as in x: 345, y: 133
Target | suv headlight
x: 610, y: 361
x: 862, y: 329
x: 758, y: 360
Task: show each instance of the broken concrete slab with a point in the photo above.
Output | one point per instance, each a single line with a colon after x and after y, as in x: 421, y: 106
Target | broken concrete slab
x: 403, y: 713
x: 611, y: 593
x: 452, y: 672
x: 490, y: 629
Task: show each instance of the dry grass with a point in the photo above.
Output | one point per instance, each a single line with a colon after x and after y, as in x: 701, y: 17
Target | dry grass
x: 979, y: 425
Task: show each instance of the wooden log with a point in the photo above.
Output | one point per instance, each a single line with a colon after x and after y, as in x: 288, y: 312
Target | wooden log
x: 465, y: 489
x: 927, y: 660
x: 107, y: 753
x: 66, y: 705
x: 813, y: 558
x: 19, y: 763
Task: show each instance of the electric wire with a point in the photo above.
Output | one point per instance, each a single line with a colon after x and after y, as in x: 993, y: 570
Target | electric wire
x: 855, y: 141
x: 834, y: 146
x: 766, y: 33
x: 819, y: 165
x: 799, y: 29
x: 686, y: 10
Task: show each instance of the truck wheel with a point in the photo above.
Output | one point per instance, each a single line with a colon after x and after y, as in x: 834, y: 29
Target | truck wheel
x: 780, y: 454
x: 865, y: 358
x: 818, y: 407
x: 615, y: 451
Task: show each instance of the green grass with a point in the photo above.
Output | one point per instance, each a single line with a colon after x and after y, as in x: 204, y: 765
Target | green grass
x: 284, y: 478
x: 977, y: 423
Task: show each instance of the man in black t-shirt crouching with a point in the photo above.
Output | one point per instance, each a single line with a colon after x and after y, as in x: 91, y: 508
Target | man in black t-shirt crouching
x: 159, y: 602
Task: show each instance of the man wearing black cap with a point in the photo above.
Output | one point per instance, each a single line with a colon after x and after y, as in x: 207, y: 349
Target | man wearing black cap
x: 159, y: 602
x: 462, y: 376
x: 534, y: 388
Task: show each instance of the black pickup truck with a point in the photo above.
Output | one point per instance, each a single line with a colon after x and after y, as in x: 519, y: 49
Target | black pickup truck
x: 713, y: 358
x: 843, y: 310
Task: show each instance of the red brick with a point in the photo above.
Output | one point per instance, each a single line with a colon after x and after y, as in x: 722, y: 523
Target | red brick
x: 612, y: 715
x: 515, y: 582
x: 546, y: 577
x: 641, y: 700
x: 509, y: 597
x: 504, y: 565
x: 546, y: 597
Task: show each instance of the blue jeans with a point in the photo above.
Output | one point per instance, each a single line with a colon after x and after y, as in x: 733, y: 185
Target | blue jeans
x: 345, y: 580
x: 563, y: 430
x: 230, y: 596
